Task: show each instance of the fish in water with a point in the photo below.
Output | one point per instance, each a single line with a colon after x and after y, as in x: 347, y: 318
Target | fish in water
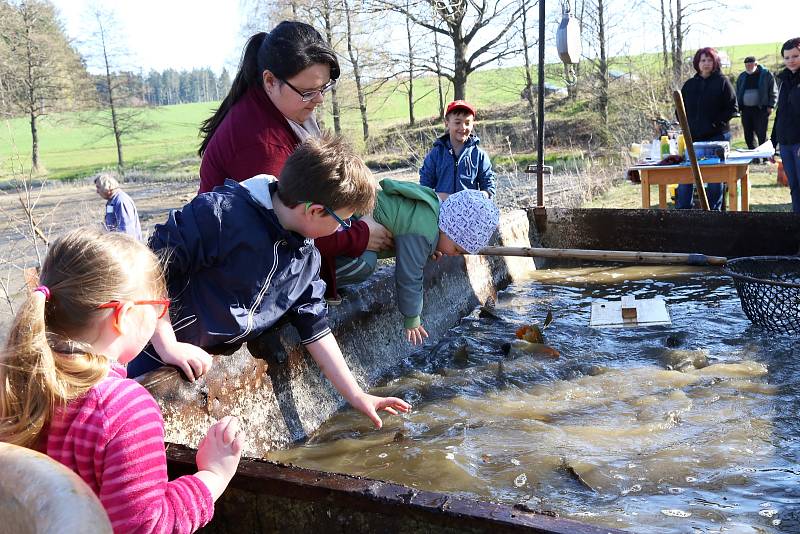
x: 532, y: 332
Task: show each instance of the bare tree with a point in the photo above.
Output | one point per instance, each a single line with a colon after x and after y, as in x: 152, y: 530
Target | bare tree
x: 40, y: 70
x: 463, y: 21
x: 526, y: 45
x: 354, y: 61
x: 118, y: 117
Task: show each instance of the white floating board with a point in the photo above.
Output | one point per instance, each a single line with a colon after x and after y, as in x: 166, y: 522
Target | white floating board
x: 629, y: 312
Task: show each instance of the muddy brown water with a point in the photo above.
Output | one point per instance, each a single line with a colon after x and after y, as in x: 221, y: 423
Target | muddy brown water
x: 690, y: 427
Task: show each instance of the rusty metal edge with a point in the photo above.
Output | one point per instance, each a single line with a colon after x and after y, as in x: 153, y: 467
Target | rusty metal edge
x: 264, y: 477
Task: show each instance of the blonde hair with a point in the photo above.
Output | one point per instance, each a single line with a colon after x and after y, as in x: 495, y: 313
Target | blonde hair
x: 327, y: 171
x: 45, y: 363
x: 106, y: 182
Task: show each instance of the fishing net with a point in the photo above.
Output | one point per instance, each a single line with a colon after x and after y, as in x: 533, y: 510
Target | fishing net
x: 769, y: 289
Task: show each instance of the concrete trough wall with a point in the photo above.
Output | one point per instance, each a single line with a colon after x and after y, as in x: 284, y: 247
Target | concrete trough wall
x: 275, y: 387
x: 282, y: 397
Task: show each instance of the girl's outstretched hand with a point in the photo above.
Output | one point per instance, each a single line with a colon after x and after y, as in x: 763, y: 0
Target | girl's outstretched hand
x: 218, y: 454
x: 192, y: 360
x: 416, y: 336
x: 369, y: 405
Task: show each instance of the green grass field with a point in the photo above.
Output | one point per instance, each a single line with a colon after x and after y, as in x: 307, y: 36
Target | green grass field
x: 72, y: 149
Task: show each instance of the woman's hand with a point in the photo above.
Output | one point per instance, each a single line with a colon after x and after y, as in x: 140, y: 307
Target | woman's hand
x: 379, y: 237
x: 219, y: 453
x: 416, y: 336
x: 370, y: 404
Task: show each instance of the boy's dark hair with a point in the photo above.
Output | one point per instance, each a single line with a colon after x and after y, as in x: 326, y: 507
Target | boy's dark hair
x: 460, y: 112
x: 794, y: 42
x: 327, y: 171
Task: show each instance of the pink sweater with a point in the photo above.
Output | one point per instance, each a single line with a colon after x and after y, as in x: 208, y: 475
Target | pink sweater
x: 113, y: 438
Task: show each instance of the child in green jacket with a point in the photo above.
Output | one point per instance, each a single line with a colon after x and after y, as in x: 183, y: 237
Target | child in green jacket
x: 422, y: 227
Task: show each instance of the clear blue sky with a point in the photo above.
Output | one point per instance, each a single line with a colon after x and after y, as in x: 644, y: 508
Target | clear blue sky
x: 184, y: 34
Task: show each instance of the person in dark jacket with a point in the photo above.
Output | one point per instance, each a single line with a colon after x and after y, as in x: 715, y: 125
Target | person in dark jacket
x: 710, y: 104
x: 242, y: 257
x: 756, y: 94
x: 269, y: 111
x: 456, y: 162
x: 786, y: 130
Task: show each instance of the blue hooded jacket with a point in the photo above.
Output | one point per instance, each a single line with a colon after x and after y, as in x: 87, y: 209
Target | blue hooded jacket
x: 441, y: 172
x: 233, y: 271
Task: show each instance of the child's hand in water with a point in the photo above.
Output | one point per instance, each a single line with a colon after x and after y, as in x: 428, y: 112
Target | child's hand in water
x: 192, y: 360
x: 416, y: 336
x: 369, y: 405
x: 218, y: 454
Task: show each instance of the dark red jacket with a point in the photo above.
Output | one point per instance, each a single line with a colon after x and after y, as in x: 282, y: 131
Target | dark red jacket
x: 255, y: 138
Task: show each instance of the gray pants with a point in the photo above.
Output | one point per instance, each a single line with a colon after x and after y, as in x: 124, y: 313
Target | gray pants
x: 351, y: 271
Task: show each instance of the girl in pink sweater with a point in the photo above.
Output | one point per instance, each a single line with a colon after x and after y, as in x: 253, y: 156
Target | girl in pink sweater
x: 63, y: 389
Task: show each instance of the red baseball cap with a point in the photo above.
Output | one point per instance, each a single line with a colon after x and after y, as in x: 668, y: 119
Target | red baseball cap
x: 460, y: 104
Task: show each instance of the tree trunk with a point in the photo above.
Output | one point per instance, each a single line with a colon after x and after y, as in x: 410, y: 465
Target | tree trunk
x: 362, y: 102
x: 337, y: 125
x: 34, y: 143
x: 410, y: 93
x: 601, y: 37
x: 528, y: 77
x: 677, y: 55
x: 664, y: 50
x: 109, y: 81
x: 460, y: 66
x: 437, y: 59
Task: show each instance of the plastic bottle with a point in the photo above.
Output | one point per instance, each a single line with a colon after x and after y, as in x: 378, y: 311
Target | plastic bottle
x: 681, y: 145
x: 664, y: 146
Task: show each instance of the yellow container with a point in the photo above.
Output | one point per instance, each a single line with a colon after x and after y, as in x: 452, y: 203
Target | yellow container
x: 681, y: 146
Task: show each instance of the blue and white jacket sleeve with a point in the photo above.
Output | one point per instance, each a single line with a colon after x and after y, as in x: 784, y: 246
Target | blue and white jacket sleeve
x: 485, y: 174
x: 310, y: 313
x: 427, y: 173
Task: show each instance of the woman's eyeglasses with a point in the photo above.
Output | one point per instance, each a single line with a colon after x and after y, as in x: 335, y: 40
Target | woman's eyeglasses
x: 345, y: 223
x: 162, y: 306
x: 308, y: 96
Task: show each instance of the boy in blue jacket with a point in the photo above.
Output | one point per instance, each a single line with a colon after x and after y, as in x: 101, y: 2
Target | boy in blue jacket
x: 241, y: 257
x: 455, y: 162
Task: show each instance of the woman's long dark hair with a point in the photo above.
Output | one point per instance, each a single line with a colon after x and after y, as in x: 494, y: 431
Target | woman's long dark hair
x: 285, y: 51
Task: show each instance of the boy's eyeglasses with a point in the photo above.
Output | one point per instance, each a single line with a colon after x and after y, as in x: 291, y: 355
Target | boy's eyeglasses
x: 345, y: 223
x: 308, y: 96
x: 161, y: 306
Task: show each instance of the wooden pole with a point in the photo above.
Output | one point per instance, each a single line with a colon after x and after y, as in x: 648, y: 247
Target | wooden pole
x: 606, y: 255
x: 687, y: 136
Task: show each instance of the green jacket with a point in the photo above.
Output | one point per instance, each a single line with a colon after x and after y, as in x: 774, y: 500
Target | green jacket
x: 411, y: 212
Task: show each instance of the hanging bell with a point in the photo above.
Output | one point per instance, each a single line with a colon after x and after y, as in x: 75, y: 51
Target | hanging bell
x: 568, y: 38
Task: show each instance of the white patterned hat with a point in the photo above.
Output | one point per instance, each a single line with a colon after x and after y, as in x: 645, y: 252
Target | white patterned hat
x: 469, y: 219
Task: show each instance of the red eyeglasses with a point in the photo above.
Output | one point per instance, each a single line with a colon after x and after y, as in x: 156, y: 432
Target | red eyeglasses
x: 117, y: 306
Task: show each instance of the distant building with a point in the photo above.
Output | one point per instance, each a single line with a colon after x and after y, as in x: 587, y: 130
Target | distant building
x: 549, y: 89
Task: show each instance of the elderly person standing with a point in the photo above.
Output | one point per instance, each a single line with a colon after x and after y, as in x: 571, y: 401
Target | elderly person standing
x: 710, y: 104
x: 121, y: 214
x: 757, y: 94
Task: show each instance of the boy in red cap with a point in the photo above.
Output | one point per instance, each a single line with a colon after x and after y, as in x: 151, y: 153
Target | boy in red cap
x: 455, y: 162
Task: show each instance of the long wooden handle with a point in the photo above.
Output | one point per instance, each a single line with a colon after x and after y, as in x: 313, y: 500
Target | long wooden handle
x: 687, y: 136
x: 606, y: 255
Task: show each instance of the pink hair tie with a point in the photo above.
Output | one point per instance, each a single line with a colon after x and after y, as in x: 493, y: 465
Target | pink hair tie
x: 45, y: 291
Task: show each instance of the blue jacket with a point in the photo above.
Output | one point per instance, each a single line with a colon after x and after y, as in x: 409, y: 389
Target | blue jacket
x: 767, y: 90
x: 121, y: 215
x: 233, y: 271
x: 442, y: 173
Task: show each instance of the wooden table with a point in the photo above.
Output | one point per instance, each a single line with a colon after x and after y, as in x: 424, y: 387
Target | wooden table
x: 730, y: 173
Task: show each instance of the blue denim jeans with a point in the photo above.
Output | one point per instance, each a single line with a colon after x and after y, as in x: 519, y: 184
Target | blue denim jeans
x: 683, y: 200
x: 790, y: 156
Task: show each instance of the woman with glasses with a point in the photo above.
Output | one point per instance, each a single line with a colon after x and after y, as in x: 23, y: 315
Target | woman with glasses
x: 269, y: 111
